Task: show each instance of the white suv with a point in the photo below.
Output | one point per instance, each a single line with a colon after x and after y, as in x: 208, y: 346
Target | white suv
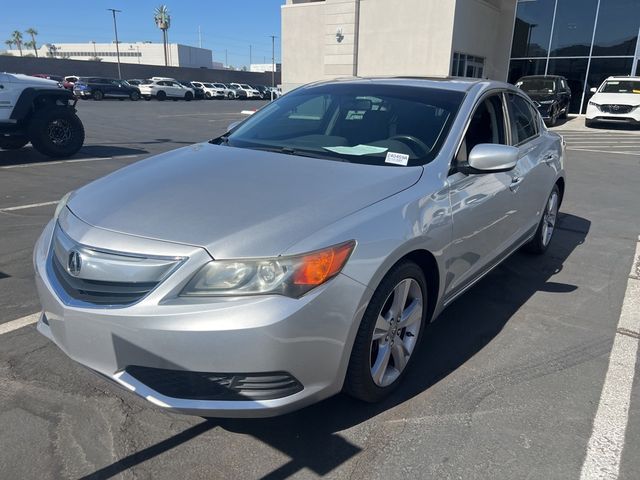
x: 248, y: 89
x: 162, y: 88
x: 616, y: 100
x: 210, y: 90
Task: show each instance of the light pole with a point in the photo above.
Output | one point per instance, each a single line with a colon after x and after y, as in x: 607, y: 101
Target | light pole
x: 115, y: 29
x: 273, y: 64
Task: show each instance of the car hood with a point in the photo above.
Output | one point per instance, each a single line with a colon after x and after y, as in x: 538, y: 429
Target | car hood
x: 20, y: 78
x: 234, y: 202
x: 616, y: 98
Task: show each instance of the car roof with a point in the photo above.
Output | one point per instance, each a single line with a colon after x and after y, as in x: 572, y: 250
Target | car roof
x: 459, y: 84
x: 623, y: 77
x: 541, y: 76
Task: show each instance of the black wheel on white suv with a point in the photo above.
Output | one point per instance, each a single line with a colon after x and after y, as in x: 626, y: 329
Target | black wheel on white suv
x: 13, y: 142
x: 188, y: 96
x: 161, y: 96
x: 230, y: 96
x: 56, y: 131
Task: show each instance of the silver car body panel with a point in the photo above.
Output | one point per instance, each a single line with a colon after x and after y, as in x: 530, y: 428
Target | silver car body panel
x: 196, y: 203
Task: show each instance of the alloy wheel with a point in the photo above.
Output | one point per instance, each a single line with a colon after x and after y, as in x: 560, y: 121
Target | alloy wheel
x: 59, y: 132
x: 549, y: 218
x: 396, y: 332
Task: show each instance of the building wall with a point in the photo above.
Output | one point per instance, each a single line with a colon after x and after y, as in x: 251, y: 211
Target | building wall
x: 302, y: 43
x: 484, y: 28
x: 139, y: 52
x: 334, y: 38
x: 64, y: 67
x: 408, y: 37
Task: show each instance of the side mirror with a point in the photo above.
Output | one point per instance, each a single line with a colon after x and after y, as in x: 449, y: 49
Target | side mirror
x: 593, y: 89
x: 491, y: 158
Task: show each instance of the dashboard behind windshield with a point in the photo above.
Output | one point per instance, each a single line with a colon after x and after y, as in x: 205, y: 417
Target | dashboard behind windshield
x: 360, y: 123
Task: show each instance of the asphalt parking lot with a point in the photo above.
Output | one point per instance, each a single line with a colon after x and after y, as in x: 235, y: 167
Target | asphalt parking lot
x: 507, y: 382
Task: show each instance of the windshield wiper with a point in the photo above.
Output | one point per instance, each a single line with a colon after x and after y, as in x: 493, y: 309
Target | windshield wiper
x: 299, y: 153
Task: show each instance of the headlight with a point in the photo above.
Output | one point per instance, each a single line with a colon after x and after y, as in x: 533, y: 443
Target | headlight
x: 593, y: 104
x: 291, y: 276
x: 61, y: 204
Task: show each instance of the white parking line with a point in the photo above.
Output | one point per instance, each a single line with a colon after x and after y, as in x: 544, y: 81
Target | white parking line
x: 31, y: 205
x: 19, y: 323
x: 601, y: 151
x: 607, y: 437
x: 73, y: 160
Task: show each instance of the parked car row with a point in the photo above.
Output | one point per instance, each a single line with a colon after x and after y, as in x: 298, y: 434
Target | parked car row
x: 616, y: 100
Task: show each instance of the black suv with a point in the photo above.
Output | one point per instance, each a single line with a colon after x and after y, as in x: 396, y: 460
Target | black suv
x: 550, y: 93
x: 99, y: 88
x: 198, y: 93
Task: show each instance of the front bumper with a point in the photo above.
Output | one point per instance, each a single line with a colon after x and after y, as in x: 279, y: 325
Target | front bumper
x: 595, y: 114
x: 308, y: 339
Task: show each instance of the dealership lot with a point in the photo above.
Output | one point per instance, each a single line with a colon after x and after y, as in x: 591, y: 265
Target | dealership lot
x: 507, y: 383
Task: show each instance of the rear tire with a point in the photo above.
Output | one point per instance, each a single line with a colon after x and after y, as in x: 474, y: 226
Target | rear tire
x: 381, y: 335
x: 161, y: 96
x: 188, y: 96
x: 134, y: 96
x: 97, y: 95
x: 547, y: 226
x: 56, y: 132
x: 13, y: 142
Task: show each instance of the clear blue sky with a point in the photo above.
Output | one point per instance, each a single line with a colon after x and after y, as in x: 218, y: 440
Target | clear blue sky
x: 226, y: 24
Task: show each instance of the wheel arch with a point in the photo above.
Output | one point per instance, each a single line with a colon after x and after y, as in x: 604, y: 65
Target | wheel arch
x: 561, y: 186
x: 33, y: 98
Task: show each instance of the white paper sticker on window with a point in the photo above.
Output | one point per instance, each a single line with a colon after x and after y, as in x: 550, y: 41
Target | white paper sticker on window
x: 396, y: 158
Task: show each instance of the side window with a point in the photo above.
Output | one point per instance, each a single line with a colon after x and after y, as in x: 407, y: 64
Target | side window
x: 523, y: 123
x: 486, y: 126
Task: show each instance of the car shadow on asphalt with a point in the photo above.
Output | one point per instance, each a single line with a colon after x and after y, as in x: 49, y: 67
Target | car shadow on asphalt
x: 311, y: 437
x: 28, y: 155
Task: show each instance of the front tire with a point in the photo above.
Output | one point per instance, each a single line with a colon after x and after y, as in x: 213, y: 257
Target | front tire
x: 188, y: 96
x: 56, y: 132
x: 134, y: 96
x: 13, y: 142
x: 98, y: 95
x: 547, y: 226
x: 389, y: 334
x: 161, y: 96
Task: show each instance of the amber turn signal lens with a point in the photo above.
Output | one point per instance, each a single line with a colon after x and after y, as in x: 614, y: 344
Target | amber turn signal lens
x: 318, y: 267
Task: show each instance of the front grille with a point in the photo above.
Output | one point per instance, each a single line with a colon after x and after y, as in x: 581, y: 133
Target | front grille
x: 89, y: 276
x: 100, y: 292
x: 612, y: 108
x: 216, y: 386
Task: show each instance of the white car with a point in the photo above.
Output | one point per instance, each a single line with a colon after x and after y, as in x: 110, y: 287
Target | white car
x: 162, y: 88
x: 210, y: 90
x: 616, y: 100
x: 226, y: 91
x: 248, y: 89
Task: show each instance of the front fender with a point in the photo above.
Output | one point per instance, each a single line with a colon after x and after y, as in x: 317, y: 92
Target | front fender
x: 31, y: 95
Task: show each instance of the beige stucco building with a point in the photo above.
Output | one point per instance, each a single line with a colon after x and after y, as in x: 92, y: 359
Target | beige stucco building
x: 323, y: 39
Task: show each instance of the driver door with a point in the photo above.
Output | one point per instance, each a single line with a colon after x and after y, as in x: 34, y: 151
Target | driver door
x: 485, y: 223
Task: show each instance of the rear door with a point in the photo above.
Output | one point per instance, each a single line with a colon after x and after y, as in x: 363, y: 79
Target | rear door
x: 484, y: 206
x: 533, y: 175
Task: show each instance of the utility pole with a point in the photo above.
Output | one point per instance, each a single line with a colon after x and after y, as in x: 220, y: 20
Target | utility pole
x: 226, y: 59
x: 115, y: 29
x: 199, y: 37
x: 273, y: 63
x: 250, y: 57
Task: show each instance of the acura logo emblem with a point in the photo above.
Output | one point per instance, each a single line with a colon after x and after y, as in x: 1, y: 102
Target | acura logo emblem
x: 74, y: 263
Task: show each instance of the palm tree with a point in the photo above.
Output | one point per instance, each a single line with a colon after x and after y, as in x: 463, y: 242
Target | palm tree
x: 33, y: 32
x: 163, y: 22
x: 9, y: 44
x: 16, y: 36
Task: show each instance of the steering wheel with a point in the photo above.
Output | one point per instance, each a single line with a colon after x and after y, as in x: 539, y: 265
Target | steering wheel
x: 411, y: 140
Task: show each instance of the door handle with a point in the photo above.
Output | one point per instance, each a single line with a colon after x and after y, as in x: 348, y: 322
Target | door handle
x: 515, y: 183
x: 548, y: 158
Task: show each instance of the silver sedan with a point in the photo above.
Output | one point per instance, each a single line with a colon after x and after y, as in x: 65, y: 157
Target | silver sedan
x: 303, y: 252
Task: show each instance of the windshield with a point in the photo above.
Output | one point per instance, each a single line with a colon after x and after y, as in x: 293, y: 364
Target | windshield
x: 244, y: 85
x: 219, y: 85
x: 208, y: 85
x: 360, y: 123
x: 621, y: 86
x: 537, y: 85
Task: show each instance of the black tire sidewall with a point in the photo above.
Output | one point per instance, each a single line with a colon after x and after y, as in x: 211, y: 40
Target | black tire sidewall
x: 161, y: 96
x: 358, y: 381
x: 134, y: 96
x: 98, y: 95
x: 38, y: 132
